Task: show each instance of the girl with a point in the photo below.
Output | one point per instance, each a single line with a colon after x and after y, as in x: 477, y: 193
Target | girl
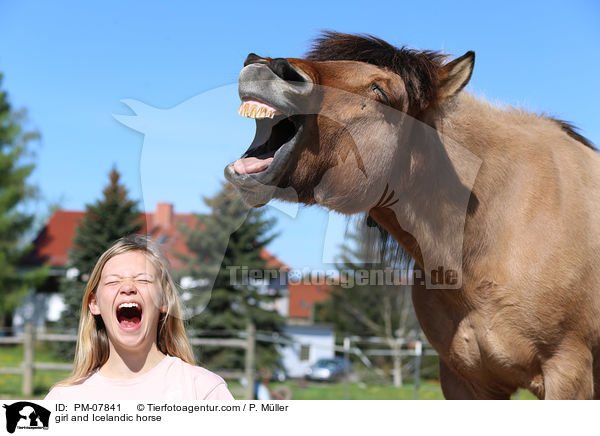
x: 132, y: 343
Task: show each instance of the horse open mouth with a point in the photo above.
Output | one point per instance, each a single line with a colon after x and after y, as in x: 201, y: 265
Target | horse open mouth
x: 267, y: 156
x: 279, y: 97
x: 129, y: 316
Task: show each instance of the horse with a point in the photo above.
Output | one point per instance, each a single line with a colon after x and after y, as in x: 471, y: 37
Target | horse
x: 499, y: 207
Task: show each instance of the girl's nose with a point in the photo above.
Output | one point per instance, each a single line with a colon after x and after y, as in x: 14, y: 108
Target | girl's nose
x: 128, y: 287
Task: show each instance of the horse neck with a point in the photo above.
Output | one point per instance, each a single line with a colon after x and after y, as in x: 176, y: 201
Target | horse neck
x: 531, y: 171
x: 485, y: 130
x: 438, y: 200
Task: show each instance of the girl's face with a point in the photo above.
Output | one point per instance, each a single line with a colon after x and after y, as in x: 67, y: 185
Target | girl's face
x: 129, y: 300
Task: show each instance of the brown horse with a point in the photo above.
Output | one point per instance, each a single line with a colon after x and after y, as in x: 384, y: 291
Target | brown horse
x: 499, y: 208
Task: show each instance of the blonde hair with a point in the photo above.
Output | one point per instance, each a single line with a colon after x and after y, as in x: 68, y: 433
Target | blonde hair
x: 92, y: 347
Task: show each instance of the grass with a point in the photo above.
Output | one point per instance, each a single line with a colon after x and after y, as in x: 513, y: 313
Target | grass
x: 12, y: 356
x: 10, y: 384
x: 302, y: 390
x: 359, y: 391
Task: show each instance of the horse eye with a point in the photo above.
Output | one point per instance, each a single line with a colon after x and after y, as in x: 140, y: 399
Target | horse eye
x: 375, y: 87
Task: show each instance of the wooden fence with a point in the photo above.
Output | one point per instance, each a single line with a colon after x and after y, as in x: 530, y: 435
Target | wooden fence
x: 247, y: 341
x: 29, y: 365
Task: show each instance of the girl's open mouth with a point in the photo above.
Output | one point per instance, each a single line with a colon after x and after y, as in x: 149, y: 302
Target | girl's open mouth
x: 129, y: 315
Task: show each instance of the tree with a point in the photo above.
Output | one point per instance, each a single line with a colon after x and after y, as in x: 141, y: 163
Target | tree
x: 371, y: 299
x: 15, y: 224
x: 226, y: 246
x: 105, y: 221
x: 108, y: 219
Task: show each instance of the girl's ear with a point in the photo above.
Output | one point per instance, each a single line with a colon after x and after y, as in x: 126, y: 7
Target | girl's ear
x: 93, y: 305
x: 164, y: 308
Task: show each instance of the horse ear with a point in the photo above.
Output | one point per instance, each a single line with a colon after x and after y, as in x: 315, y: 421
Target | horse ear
x: 456, y: 74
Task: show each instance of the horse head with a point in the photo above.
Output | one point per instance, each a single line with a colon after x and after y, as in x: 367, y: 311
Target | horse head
x: 343, y: 100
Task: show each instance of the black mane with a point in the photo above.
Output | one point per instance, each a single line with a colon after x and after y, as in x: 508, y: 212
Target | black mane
x: 420, y: 70
x: 571, y: 130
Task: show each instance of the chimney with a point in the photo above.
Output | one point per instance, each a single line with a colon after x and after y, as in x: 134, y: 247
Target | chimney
x: 164, y: 216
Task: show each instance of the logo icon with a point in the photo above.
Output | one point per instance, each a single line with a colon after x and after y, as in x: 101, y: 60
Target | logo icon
x: 26, y: 415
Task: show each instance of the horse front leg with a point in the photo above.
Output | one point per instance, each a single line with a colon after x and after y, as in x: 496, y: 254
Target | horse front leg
x: 454, y: 387
x: 568, y: 374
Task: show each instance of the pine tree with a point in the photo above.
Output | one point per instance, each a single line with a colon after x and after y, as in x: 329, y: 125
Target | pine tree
x: 108, y: 219
x: 220, y: 255
x: 105, y: 221
x: 15, y: 224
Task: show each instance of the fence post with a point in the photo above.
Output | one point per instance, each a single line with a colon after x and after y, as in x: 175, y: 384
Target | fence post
x: 418, y: 354
x: 28, y: 357
x: 346, y: 365
x: 250, y: 359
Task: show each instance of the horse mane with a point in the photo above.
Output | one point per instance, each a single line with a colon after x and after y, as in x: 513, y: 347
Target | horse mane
x: 571, y: 130
x: 420, y: 70
x: 391, y: 253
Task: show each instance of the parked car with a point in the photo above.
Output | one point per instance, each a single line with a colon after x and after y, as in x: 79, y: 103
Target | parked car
x: 329, y: 369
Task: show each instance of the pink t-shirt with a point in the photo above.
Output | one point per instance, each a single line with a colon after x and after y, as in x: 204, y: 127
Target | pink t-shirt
x: 171, y: 379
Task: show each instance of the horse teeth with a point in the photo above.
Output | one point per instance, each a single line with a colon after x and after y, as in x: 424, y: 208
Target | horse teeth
x: 128, y: 305
x: 250, y: 110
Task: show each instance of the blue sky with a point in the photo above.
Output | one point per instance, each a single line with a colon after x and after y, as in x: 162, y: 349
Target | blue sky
x: 72, y: 63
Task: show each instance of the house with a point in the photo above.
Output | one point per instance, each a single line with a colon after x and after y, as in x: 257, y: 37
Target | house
x: 302, y: 297
x: 52, y: 245
x: 308, y: 343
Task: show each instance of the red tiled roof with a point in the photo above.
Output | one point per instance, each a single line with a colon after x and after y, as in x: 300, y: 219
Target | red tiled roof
x: 272, y: 262
x: 302, y: 296
x: 52, y: 245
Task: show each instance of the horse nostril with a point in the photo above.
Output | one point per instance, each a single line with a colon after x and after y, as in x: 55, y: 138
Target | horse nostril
x: 254, y: 59
x: 283, y: 69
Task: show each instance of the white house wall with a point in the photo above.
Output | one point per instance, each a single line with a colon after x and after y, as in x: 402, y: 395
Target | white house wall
x: 320, y: 339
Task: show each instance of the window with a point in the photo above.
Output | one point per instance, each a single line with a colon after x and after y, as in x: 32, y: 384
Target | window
x: 304, y: 352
